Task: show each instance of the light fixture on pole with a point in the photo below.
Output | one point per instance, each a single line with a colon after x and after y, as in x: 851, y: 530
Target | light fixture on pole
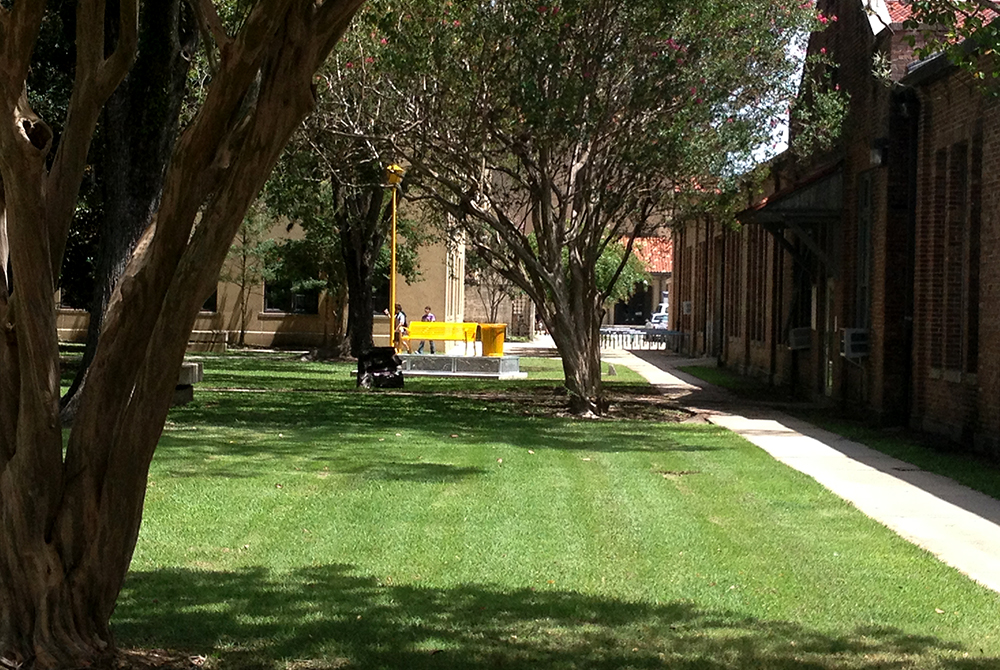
x: 393, y: 175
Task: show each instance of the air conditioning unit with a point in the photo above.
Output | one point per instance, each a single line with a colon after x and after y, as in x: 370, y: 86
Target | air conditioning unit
x: 855, y: 343
x: 800, y: 338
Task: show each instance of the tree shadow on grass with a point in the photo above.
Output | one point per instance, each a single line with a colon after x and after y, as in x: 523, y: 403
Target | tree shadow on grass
x: 325, y: 617
x: 434, y: 473
x: 373, y: 469
x: 194, y: 454
x: 356, y: 418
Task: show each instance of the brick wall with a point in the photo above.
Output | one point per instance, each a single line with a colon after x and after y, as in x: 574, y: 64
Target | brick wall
x: 957, y: 255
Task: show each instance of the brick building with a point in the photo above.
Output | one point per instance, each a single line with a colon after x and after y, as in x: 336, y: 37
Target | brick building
x: 956, y: 357
x: 863, y: 277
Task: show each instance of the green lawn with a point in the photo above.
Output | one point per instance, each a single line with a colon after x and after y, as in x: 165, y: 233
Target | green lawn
x: 454, y: 526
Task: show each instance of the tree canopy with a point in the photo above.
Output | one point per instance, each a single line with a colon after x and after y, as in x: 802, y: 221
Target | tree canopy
x: 967, y: 31
x: 948, y: 22
x: 553, y: 131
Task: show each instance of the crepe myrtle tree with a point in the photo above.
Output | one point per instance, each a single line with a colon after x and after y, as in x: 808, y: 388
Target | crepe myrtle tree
x: 332, y: 180
x: 70, y: 511
x: 141, y: 118
x: 964, y: 30
x: 342, y: 206
x: 553, y: 131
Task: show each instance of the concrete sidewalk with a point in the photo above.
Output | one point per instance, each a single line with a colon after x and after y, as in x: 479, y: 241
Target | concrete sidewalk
x: 958, y: 525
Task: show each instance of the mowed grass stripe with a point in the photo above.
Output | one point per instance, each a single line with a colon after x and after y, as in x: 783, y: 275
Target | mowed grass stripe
x: 615, y: 544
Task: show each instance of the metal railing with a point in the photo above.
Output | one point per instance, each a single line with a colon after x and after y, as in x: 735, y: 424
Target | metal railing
x: 640, y: 337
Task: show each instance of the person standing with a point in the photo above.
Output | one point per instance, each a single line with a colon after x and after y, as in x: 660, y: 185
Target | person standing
x: 428, y: 316
x: 402, y: 334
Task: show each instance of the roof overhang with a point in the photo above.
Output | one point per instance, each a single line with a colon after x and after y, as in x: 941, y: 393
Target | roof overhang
x: 818, y: 199
x: 802, y: 209
x: 878, y: 15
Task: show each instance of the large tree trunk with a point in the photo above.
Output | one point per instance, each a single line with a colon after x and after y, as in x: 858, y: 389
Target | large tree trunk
x: 360, y: 319
x: 363, y: 226
x: 574, y: 321
x: 139, y: 128
x: 335, y: 342
x: 69, y: 524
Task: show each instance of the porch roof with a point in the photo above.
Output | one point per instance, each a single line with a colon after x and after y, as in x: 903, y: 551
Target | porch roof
x: 818, y: 198
x: 802, y: 208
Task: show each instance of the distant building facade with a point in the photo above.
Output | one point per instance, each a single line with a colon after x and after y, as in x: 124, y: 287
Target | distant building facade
x: 273, y: 316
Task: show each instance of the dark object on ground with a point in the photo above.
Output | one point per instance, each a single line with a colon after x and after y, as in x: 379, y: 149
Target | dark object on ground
x: 379, y: 368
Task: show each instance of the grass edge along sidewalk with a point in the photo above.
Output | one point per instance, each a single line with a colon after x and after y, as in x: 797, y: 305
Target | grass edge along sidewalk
x: 441, y: 529
x: 924, y: 451
x: 954, y: 522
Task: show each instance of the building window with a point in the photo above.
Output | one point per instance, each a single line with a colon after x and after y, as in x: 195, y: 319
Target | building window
x: 937, y: 230
x: 734, y: 284
x: 281, y: 296
x: 862, y: 270
x: 957, y: 212
x: 975, y: 224
x: 954, y: 276
x: 212, y: 304
x: 757, y: 282
x: 700, y: 286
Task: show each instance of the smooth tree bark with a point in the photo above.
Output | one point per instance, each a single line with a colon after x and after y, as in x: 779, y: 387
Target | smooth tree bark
x: 69, y: 522
x: 140, y: 125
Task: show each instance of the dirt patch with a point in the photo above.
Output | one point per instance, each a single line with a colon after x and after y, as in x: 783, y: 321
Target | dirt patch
x: 160, y: 659
x: 156, y: 659
x: 625, y: 403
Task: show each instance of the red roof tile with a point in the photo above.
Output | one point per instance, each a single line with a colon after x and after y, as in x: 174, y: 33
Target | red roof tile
x: 656, y: 253
x: 898, y: 11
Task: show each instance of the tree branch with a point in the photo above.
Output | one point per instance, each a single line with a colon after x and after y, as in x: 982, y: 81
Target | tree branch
x: 20, y: 31
x: 113, y: 69
x: 162, y: 289
x: 194, y: 171
x: 210, y: 25
x: 96, y: 79
x: 332, y: 19
x: 209, y: 16
x: 4, y: 255
x: 606, y: 291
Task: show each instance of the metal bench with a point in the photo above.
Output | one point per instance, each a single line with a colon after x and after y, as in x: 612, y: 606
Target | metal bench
x: 444, y: 330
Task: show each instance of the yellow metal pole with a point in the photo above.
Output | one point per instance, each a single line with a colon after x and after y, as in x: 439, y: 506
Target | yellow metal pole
x: 394, y: 175
x: 392, y: 273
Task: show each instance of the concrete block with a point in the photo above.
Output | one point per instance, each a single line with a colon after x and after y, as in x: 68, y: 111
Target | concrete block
x: 190, y: 373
